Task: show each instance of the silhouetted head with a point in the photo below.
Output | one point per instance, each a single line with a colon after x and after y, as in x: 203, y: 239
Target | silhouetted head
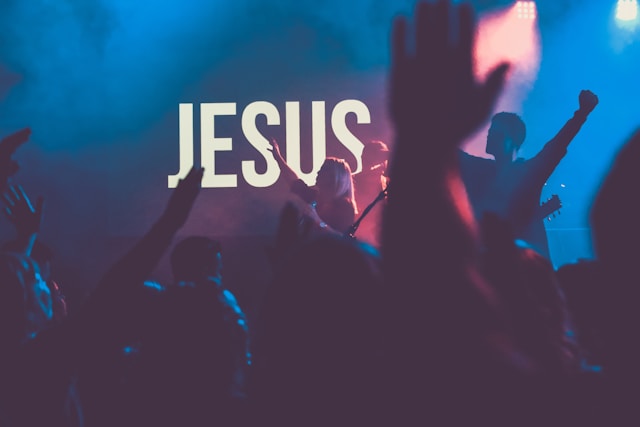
x: 322, y: 326
x: 375, y: 154
x: 184, y: 373
x: 506, y: 135
x: 530, y: 291
x: 25, y: 299
x: 196, y: 258
x: 334, y: 179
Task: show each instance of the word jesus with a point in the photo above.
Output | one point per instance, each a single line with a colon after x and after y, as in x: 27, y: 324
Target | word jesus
x: 210, y: 143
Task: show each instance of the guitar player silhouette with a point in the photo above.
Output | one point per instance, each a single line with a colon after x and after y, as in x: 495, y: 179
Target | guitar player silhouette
x: 511, y: 186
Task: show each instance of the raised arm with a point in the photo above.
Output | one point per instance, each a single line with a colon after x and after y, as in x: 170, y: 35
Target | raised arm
x: 137, y: 264
x: 285, y: 170
x: 100, y: 322
x: 557, y: 146
x: 443, y: 313
x: 436, y: 102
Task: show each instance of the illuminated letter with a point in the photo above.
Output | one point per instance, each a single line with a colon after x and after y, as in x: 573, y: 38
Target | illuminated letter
x: 261, y: 143
x: 344, y: 135
x: 185, y: 112
x: 210, y: 144
x: 318, y: 140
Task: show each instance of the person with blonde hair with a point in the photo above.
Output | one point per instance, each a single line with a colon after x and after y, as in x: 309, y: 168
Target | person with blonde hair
x: 332, y: 200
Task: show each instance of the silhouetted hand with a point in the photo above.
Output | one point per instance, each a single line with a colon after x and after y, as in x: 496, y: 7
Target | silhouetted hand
x: 588, y: 101
x: 183, y: 197
x: 275, y: 148
x: 434, y: 93
x: 19, y: 210
x: 8, y: 146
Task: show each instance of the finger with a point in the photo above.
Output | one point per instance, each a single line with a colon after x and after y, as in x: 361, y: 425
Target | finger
x: 399, y: 64
x: 194, y: 176
x: 492, y: 87
x: 465, y: 42
x: 24, y: 197
x: 7, y: 199
x: 11, y: 142
x: 424, y: 29
x: 8, y: 213
x: 15, y: 194
x: 398, y: 40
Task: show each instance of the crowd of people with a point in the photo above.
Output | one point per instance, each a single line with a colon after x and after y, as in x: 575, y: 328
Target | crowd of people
x: 449, y: 316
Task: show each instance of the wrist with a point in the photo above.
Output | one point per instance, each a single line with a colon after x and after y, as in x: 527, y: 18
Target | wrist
x: 581, y: 113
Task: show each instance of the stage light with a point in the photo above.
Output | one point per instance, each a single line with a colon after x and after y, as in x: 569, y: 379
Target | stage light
x: 526, y: 9
x: 627, y: 10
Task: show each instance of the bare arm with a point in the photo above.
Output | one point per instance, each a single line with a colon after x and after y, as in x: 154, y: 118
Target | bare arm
x: 436, y: 103
x: 285, y: 170
x: 136, y: 265
x: 98, y: 321
x: 587, y: 101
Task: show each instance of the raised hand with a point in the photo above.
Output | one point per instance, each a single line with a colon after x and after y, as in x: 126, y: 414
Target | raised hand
x: 275, y: 148
x: 183, y: 197
x: 21, y: 212
x: 288, y: 174
x: 8, y: 146
x: 434, y: 93
x: 588, y: 101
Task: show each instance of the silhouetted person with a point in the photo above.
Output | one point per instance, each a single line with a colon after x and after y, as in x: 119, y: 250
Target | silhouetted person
x: 186, y: 370
x: 533, y: 299
x: 512, y: 186
x: 38, y: 374
x: 604, y: 292
x: 369, y: 183
x: 320, y: 344
x: 198, y: 259
x: 34, y: 389
x: 616, y: 233
x: 449, y: 345
x: 331, y: 201
x: 43, y: 255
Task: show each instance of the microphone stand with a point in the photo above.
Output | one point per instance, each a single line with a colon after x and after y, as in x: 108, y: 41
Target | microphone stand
x: 352, y: 230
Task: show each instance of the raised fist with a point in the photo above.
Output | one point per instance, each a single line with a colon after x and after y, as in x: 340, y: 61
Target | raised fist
x: 588, y: 101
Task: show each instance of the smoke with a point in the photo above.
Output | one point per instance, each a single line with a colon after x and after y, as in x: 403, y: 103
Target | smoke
x: 99, y: 82
x: 504, y: 37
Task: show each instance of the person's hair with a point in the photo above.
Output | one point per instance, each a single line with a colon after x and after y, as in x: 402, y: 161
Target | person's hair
x: 513, y: 125
x: 374, y: 153
x: 193, y: 256
x: 342, y: 182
